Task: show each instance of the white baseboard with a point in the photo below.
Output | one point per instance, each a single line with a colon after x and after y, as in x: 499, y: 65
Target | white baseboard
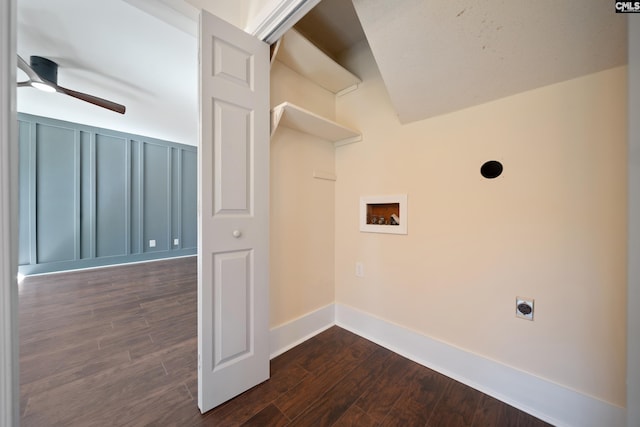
x: 543, y: 399
x: 289, y: 335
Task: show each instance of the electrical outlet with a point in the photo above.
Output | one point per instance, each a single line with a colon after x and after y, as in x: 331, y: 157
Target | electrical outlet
x: 152, y: 243
x: 524, y: 308
x: 359, y: 269
x: 176, y: 242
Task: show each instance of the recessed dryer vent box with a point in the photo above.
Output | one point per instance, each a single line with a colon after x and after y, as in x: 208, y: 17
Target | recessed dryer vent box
x: 524, y: 308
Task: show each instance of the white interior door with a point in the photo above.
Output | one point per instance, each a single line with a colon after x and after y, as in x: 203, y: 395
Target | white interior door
x: 233, y: 232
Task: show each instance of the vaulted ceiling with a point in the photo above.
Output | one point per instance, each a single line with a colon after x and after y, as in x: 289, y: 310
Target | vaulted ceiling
x: 434, y: 56
x: 440, y: 56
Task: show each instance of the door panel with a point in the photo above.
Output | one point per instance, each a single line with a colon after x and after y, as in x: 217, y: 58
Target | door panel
x: 232, y: 63
x: 232, y: 305
x: 233, y: 232
x: 232, y: 161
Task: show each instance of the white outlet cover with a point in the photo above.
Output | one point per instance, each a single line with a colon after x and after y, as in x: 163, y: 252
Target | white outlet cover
x: 176, y: 242
x: 359, y: 269
x: 527, y: 301
x: 152, y: 243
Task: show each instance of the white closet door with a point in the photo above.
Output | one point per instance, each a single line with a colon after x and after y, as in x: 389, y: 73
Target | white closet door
x: 233, y: 232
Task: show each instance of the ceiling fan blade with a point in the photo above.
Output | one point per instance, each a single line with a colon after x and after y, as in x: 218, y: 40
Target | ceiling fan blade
x: 24, y: 66
x: 43, y: 84
x: 100, y: 102
x: 34, y: 78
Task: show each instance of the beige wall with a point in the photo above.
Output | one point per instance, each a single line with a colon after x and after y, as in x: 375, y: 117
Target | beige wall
x: 552, y: 227
x: 302, y: 207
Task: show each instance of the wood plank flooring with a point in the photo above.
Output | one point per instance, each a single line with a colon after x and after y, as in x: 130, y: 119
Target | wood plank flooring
x: 117, y: 347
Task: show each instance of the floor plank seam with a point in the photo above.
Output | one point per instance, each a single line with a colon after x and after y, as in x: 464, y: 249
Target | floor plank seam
x: 475, y: 413
x: 435, y: 406
x: 26, y: 407
x: 188, y: 391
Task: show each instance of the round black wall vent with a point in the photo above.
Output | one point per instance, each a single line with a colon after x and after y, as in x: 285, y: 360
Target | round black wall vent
x: 491, y: 169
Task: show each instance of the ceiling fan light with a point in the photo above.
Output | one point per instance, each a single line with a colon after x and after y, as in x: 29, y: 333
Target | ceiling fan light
x: 43, y: 87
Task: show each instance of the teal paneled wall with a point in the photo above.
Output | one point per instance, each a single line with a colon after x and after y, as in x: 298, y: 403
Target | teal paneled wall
x: 24, y: 202
x: 156, y: 197
x: 56, y: 151
x: 92, y: 197
x: 189, y: 203
x: 111, y: 196
x: 87, y: 162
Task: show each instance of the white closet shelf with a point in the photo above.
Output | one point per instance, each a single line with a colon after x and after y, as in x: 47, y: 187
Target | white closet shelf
x: 293, y: 117
x: 299, y: 54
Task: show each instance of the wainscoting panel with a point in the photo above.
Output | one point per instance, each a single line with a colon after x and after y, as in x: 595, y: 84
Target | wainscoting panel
x: 157, y: 192
x: 87, y: 195
x: 176, y: 198
x: 91, y: 197
x: 189, y: 202
x: 25, y: 182
x: 57, y: 150
x: 112, y: 197
x: 137, y: 206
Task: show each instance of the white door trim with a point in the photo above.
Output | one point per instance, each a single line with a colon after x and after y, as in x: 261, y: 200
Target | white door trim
x: 277, y: 17
x: 9, y: 396
x: 633, y: 276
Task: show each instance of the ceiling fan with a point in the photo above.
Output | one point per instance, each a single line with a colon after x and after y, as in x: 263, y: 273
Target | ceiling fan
x: 43, y: 75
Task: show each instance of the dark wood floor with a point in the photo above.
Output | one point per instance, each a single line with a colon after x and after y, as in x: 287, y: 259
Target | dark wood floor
x: 117, y: 347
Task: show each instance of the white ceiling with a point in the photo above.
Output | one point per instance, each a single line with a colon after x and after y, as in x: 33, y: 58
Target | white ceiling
x: 434, y: 56
x: 115, y: 51
x: 440, y: 56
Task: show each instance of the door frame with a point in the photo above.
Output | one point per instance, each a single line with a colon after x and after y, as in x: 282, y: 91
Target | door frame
x: 9, y: 369
x: 278, y: 16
